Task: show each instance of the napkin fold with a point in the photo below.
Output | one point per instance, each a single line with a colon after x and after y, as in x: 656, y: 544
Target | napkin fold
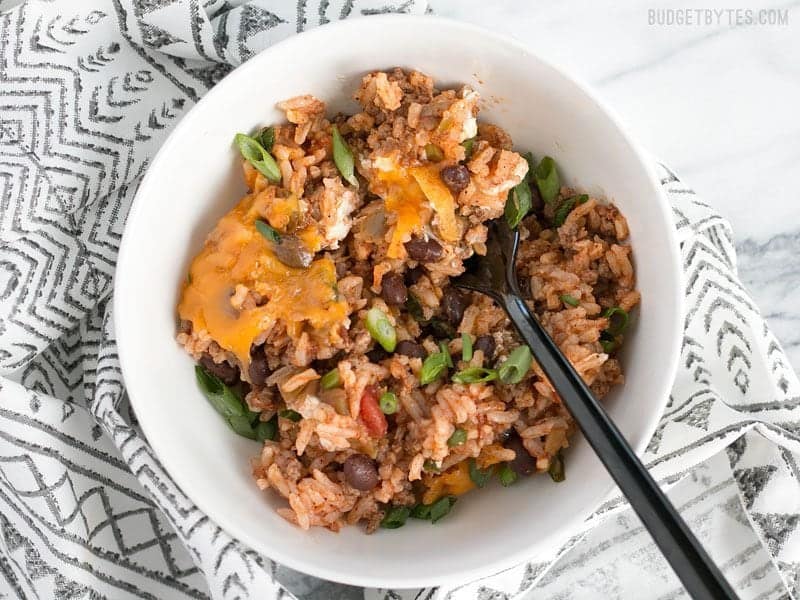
x: 89, y: 92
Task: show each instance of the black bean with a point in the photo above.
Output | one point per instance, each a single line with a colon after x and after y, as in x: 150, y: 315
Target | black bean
x: 409, y: 348
x: 225, y: 371
x: 423, y: 250
x: 486, y: 344
x: 439, y: 330
x: 414, y: 275
x: 456, y: 177
x: 360, y: 472
x: 323, y: 365
x: 258, y: 371
x: 523, y: 463
x: 453, y: 305
x: 393, y: 289
x: 414, y: 308
x: 292, y: 252
x: 377, y: 354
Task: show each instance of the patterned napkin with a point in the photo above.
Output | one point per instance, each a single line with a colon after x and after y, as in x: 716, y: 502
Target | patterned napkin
x: 89, y: 91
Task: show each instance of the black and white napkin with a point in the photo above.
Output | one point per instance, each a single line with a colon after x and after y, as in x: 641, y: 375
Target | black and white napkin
x: 88, y: 93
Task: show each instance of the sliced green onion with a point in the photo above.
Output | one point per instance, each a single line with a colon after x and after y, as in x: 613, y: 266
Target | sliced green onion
x: 466, y: 347
x: 228, y: 404
x: 608, y: 346
x: 269, y: 232
x: 608, y: 342
x: 528, y: 156
x: 189, y: 277
x: 458, y: 438
x: 618, y: 325
x: 432, y: 368
x: 266, y: 137
x: 566, y: 207
x: 518, y: 203
x: 331, y: 380
x: 516, y: 365
x: 221, y: 397
x: 443, y: 348
x: 475, y: 375
x: 388, y: 403
x: 506, y: 475
x: 546, y: 177
x: 242, y: 426
x: 479, y: 477
x: 431, y: 466
x: 267, y: 430
x: 343, y: 157
x: 395, y: 517
x: 381, y: 329
x: 253, y: 152
x: 433, y: 512
x: 422, y: 511
x: 433, y: 153
x: 469, y: 146
x: 571, y: 300
x: 556, y: 468
x: 441, y: 507
x: 290, y: 414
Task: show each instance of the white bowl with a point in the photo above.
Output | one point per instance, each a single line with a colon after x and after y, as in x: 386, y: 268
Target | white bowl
x: 195, y: 179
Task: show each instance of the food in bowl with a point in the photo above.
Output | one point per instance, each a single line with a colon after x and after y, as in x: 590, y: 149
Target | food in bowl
x: 324, y: 325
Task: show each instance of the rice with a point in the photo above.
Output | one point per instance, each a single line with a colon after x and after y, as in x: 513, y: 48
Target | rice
x: 392, y: 244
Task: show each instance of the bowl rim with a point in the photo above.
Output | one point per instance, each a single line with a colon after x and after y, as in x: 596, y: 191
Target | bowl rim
x: 127, y: 254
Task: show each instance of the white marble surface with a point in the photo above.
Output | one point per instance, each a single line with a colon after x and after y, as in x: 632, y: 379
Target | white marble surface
x: 719, y: 104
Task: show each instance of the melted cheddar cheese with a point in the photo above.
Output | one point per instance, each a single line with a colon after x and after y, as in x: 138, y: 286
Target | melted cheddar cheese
x: 236, y: 254
x: 405, y: 191
x: 404, y: 199
x: 440, y: 197
x: 453, y: 482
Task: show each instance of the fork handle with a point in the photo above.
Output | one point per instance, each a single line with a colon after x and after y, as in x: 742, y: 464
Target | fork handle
x: 699, y: 575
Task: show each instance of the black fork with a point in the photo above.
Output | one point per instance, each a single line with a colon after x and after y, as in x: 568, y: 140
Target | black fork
x: 495, y: 276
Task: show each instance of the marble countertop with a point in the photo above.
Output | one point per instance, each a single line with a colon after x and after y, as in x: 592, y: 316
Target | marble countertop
x: 717, y: 103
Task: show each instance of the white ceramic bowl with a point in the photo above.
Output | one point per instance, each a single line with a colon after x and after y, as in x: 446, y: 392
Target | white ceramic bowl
x: 196, y: 178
